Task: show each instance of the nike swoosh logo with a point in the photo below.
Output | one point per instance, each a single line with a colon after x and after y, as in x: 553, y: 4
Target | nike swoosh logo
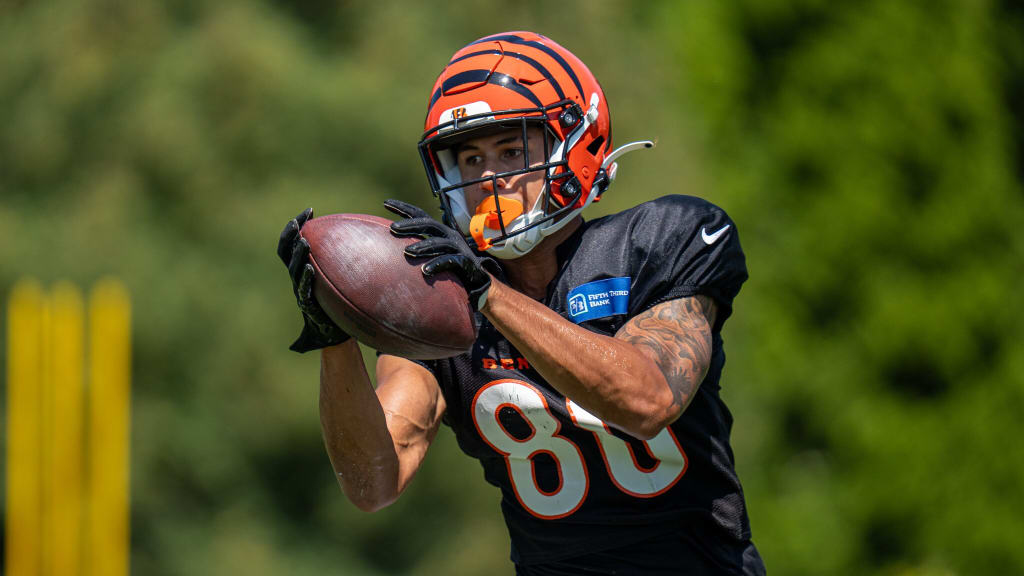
x: 710, y: 239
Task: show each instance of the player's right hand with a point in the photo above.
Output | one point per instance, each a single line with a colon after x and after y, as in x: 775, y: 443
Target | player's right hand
x: 318, y: 330
x: 447, y: 248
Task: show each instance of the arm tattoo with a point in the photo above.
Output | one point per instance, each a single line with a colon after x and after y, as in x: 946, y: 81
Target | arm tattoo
x: 677, y: 336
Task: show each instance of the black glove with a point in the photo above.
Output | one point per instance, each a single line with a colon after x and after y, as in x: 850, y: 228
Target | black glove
x: 449, y: 249
x: 319, y: 330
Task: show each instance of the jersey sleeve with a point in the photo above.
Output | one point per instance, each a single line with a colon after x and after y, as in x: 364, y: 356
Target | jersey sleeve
x: 688, y: 246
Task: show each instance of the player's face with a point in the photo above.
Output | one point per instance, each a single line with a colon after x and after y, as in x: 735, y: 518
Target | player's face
x: 502, y: 152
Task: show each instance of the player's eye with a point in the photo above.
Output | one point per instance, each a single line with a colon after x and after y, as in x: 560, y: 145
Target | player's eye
x: 512, y: 153
x: 471, y: 159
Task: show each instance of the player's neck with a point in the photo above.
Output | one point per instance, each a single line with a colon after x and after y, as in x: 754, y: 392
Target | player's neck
x: 531, y: 274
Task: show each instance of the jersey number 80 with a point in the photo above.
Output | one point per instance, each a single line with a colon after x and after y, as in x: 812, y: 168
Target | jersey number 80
x: 573, y: 481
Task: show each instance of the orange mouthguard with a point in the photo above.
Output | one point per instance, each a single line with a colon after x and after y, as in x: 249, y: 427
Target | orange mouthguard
x: 487, y: 215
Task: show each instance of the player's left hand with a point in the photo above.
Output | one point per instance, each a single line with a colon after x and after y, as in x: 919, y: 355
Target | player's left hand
x: 318, y: 330
x: 448, y: 249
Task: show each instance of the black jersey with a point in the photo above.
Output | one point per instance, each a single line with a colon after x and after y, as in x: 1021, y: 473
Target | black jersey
x: 570, y: 484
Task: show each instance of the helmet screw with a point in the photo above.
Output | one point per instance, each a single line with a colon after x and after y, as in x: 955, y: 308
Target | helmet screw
x: 571, y: 116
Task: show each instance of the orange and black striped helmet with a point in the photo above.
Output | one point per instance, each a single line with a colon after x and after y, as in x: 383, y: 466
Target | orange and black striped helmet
x: 516, y: 80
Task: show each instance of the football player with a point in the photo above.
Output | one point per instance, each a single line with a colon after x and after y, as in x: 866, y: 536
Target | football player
x: 591, y: 395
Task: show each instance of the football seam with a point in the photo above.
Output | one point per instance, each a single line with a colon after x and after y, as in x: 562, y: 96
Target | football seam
x: 366, y: 316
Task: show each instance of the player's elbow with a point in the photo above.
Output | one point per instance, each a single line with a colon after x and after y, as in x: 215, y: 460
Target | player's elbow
x: 642, y: 403
x: 635, y: 418
x: 650, y: 426
x: 669, y: 415
x: 658, y: 411
x: 647, y: 416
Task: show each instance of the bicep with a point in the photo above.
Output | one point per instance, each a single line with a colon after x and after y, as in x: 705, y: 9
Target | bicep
x: 413, y: 407
x: 676, y: 335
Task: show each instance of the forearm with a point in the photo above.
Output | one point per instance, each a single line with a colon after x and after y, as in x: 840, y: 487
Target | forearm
x: 611, y: 378
x: 355, y: 430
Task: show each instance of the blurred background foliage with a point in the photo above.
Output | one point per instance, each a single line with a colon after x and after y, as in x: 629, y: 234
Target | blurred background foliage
x: 871, y: 153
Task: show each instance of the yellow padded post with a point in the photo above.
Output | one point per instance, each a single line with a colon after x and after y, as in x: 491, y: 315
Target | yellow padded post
x: 65, y: 415
x: 107, y: 533
x: 23, y: 530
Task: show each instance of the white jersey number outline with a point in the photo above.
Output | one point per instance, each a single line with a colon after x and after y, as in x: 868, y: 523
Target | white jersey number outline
x: 574, y: 482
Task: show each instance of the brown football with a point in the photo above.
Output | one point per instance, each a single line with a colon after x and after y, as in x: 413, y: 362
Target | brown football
x: 372, y: 290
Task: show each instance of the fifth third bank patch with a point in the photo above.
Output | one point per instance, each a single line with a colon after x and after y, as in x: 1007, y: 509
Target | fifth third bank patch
x: 599, y: 299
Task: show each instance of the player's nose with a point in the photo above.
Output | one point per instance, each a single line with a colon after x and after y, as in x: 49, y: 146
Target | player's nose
x: 488, y: 185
